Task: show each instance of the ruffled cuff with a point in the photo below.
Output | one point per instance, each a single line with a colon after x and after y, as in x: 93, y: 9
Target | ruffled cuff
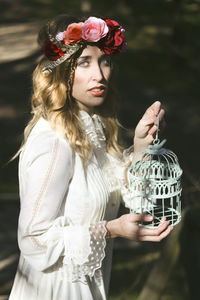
x: 115, y: 170
x: 84, y: 251
x: 128, y: 155
x: 127, y: 196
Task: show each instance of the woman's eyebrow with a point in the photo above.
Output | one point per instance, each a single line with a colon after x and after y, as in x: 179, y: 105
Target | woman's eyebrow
x: 85, y: 57
x: 104, y: 56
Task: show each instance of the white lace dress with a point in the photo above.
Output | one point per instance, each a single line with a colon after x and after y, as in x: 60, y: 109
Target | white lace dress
x: 61, y: 232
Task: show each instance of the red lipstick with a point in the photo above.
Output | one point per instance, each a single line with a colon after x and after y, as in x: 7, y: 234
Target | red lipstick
x: 97, y: 91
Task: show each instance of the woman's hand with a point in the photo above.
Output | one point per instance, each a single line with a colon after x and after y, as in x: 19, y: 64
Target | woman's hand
x: 147, y: 127
x: 127, y: 226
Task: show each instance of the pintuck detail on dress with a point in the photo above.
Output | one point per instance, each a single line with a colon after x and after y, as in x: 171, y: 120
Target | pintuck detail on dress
x: 64, y: 209
x: 113, y: 168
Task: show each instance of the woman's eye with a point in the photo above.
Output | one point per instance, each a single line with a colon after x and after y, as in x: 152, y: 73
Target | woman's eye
x: 83, y: 63
x: 106, y: 62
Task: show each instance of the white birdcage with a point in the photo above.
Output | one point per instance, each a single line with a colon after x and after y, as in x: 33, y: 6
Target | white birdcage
x: 154, y: 181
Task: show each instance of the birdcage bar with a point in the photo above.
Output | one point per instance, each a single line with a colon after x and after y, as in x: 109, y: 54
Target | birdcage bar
x: 172, y: 205
x: 163, y: 207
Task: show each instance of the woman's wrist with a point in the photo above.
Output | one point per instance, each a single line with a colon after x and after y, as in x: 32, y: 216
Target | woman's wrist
x: 111, y: 227
x: 138, y: 145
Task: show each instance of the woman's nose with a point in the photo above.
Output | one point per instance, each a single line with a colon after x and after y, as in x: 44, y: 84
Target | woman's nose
x: 97, y: 73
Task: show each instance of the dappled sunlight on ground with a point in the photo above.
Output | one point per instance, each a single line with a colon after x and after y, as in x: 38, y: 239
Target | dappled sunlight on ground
x: 18, y: 41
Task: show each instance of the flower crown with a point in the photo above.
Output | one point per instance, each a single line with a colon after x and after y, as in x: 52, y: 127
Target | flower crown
x: 106, y: 33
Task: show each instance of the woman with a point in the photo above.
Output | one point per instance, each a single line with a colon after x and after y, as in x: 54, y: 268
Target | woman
x: 71, y: 169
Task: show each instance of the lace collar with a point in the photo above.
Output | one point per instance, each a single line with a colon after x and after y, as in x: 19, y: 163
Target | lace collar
x: 93, y: 126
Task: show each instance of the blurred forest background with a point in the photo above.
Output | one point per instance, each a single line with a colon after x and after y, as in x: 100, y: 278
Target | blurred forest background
x: 162, y: 62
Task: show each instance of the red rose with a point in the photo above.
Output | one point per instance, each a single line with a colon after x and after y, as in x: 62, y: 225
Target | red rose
x: 112, y: 24
x: 114, y: 42
x: 73, y: 33
x: 51, y: 50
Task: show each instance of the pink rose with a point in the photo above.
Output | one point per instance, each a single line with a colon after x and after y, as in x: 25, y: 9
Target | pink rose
x: 94, y: 29
x: 60, y: 36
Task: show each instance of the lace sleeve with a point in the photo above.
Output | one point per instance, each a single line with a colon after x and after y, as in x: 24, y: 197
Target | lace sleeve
x: 84, y: 252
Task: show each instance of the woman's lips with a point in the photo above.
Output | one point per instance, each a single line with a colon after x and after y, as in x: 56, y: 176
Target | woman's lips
x: 97, y: 91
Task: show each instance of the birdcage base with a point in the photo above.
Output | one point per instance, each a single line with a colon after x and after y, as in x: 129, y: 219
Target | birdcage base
x: 158, y: 212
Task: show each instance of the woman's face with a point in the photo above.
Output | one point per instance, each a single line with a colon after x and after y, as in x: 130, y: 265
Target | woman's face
x: 91, y: 78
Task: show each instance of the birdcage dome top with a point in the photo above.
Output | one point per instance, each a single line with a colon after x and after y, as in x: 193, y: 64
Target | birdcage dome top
x: 156, y: 170
x: 156, y: 174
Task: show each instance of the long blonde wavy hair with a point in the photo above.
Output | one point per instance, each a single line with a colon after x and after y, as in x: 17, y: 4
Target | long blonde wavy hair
x: 52, y: 100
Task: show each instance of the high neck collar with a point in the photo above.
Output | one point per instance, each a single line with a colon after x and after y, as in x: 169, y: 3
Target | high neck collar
x: 93, y: 126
